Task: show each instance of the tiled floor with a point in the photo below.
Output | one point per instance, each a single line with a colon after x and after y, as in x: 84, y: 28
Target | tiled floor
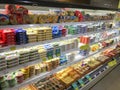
x: 109, y: 82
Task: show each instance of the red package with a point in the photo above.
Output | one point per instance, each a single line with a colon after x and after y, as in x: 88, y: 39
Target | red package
x: 2, y: 43
x: 64, y: 32
x: 8, y: 36
x: 22, y: 9
x: 10, y: 9
x: 1, y: 34
x: 79, y: 15
x: 19, y: 18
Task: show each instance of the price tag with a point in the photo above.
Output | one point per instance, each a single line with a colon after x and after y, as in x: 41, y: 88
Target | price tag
x: 1, y: 50
x: 75, y: 86
x: 88, y: 77
x: 112, y: 63
x: 13, y: 48
x: 81, y: 82
x: 100, y: 72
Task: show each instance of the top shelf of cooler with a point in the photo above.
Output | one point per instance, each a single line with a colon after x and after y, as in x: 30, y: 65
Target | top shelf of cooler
x: 33, y: 15
x: 52, y: 24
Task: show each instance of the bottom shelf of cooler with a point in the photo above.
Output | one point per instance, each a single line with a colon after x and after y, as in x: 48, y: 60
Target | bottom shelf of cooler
x: 89, y: 80
x: 84, y: 83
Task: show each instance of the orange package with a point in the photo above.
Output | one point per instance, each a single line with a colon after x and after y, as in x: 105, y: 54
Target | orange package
x: 81, y: 39
x: 86, y: 40
x: 28, y: 87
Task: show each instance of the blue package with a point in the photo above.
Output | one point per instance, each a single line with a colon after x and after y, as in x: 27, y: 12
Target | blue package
x: 63, y: 60
x: 56, y: 32
x: 21, y: 36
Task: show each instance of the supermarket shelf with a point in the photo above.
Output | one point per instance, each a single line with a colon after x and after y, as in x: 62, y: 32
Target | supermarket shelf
x: 46, y: 74
x: 8, y: 48
x: 97, y: 78
x: 38, y: 61
x: 3, y: 72
x: 51, y: 24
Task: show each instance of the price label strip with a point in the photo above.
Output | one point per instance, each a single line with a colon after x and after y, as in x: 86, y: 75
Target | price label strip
x: 74, y: 85
x: 81, y: 82
x: 13, y: 48
x: 88, y: 77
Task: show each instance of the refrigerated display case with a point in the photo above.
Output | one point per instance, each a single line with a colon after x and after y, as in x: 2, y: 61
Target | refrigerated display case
x: 48, y: 48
